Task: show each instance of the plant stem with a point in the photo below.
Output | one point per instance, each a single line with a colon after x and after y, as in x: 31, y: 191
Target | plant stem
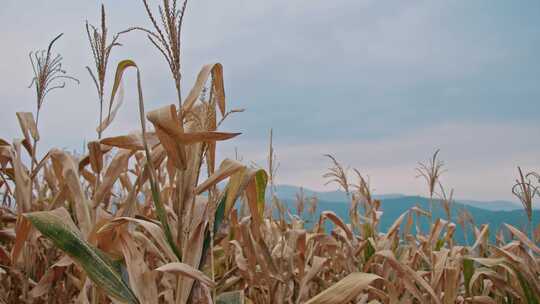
x: 179, y: 93
x: 531, y: 232
x: 100, y: 115
x: 33, y: 160
x: 431, y: 211
x: 100, y: 132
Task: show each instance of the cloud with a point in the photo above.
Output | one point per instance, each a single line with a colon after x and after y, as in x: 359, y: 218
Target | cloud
x: 481, y: 159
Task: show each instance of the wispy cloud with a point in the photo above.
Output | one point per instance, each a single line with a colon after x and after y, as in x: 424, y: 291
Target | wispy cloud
x: 481, y: 159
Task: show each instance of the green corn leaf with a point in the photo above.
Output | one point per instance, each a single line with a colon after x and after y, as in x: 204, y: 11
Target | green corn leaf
x: 162, y: 216
x: 527, y: 290
x: 439, y: 245
x: 468, y: 271
x: 369, y: 251
x: 261, y: 180
x: 58, y: 227
x: 220, y: 212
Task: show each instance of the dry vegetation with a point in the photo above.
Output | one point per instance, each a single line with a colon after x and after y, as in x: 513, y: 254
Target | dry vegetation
x: 140, y: 218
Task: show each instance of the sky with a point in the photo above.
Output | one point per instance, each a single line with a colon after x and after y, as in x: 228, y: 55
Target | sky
x: 378, y: 84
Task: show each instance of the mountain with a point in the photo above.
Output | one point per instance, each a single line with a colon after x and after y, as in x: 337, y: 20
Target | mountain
x: 493, y: 205
x: 288, y: 192
x: 393, y: 207
x: 494, y: 213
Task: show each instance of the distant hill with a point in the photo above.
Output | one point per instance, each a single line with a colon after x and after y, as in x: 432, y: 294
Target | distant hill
x: 394, y: 205
x: 289, y: 192
x: 492, y: 205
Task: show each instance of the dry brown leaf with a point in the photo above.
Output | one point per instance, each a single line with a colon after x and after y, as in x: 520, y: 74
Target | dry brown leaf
x: 117, y: 166
x: 481, y: 237
x: 22, y: 181
x: 188, y: 271
x: 112, y: 112
x: 152, y: 228
x: 346, y: 289
x: 167, y: 123
x: 316, y: 266
x: 132, y: 141
x: 216, y: 70
x: 410, y: 275
x: 95, y: 154
x: 227, y: 168
x: 52, y: 274
x: 22, y: 230
x: 28, y: 125
x: 142, y: 280
x: 66, y: 171
x: 337, y: 221
x: 523, y: 238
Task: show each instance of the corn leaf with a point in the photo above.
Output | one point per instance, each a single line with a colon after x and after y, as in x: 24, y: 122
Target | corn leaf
x: 58, y: 227
x: 154, y: 185
x: 345, y: 290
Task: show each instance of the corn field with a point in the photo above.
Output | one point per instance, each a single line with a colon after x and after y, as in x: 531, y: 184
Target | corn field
x: 149, y: 216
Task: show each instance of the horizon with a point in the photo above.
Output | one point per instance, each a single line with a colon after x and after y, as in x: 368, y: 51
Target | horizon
x: 388, y: 85
x: 514, y: 203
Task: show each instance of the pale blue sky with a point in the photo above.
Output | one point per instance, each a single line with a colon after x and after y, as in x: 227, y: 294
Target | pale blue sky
x: 380, y: 84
